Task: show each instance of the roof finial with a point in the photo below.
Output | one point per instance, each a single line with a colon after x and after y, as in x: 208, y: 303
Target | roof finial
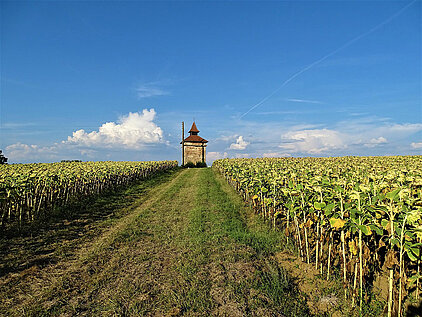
x: 193, y: 130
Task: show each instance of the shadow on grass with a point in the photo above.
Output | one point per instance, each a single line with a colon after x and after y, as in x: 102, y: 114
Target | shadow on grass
x: 47, y: 240
x: 414, y: 310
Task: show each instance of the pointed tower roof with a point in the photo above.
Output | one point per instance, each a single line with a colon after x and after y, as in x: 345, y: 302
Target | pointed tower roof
x: 194, y: 128
x: 194, y: 137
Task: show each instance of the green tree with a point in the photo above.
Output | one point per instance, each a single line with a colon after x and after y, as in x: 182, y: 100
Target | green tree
x: 3, y: 159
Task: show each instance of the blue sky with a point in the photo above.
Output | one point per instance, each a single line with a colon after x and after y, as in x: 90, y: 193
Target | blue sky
x: 113, y: 80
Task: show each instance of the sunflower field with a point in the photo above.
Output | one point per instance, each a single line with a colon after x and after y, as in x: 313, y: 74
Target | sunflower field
x: 31, y: 191
x: 358, y: 219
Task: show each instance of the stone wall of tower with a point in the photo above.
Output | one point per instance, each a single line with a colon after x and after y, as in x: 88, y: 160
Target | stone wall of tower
x: 195, y: 152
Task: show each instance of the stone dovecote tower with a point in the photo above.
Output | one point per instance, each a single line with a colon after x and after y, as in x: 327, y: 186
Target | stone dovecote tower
x: 194, y: 147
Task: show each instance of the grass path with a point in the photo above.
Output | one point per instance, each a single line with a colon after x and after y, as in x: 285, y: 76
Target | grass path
x: 186, y: 247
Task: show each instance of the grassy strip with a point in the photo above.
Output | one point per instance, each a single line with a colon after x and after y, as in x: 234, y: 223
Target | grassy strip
x: 245, y: 228
x: 225, y: 269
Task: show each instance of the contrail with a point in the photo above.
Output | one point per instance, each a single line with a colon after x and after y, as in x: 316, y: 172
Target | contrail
x: 357, y: 38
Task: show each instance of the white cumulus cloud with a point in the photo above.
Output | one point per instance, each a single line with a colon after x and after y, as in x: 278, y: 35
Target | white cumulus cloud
x: 212, y: 156
x: 240, y: 144
x: 406, y: 128
x: 376, y: 141
x: 313, y: 141
x: 20, y: 151
x: 131, y: 132
x: 416, y: 145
